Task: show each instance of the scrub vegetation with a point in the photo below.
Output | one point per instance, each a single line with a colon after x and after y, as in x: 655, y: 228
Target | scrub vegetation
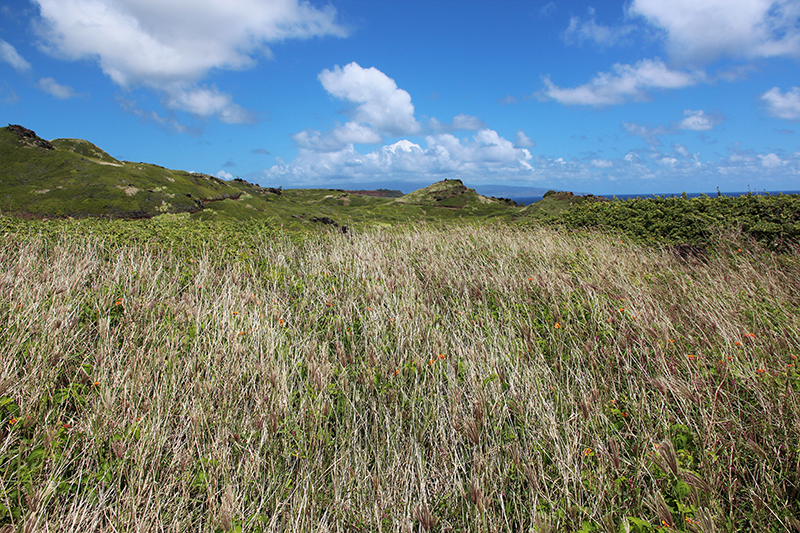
x: 180, y: 374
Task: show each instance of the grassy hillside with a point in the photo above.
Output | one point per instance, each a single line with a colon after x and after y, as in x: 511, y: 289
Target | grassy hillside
x: 447, y: 193
x: 73, y: 177
x: 193, y: 375
x: 70, y: 177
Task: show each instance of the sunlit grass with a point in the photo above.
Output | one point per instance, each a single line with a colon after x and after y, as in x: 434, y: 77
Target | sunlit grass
x: 434, y: 378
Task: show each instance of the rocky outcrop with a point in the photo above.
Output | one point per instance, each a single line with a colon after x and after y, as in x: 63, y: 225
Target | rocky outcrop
x: 29, y: 137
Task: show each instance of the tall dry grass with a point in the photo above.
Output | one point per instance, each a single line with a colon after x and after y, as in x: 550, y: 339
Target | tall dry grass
x: 463, y: 379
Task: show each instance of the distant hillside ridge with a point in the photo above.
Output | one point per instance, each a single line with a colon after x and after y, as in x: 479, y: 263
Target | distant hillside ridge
x: 70, y: 177
x: 377, y: 193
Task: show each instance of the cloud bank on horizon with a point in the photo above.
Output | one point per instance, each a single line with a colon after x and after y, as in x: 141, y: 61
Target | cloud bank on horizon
x: 627, y: 81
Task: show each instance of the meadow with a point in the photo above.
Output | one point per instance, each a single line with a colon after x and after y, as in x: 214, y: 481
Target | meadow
x: 182, y: 375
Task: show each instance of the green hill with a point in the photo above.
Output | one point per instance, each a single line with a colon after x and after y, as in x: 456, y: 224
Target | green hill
x: 447, y: 193
x: 72, y: 177
x: 75, y: 178
x: 555, y: 203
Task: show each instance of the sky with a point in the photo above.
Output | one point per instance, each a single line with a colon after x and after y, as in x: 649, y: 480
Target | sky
x: 602, y: 97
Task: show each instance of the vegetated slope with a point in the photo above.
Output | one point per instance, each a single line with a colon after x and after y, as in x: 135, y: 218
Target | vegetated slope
x: 73, y: 177
x: 773, y: 220
x: 426, y: 379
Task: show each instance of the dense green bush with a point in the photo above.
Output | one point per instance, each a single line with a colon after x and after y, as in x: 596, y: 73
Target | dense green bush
x: 773, y: 220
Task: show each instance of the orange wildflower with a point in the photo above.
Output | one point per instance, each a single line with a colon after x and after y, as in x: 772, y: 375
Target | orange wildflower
x: 557, y: 325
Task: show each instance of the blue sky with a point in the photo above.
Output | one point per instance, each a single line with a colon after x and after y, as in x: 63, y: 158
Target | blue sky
x: 607, y: 97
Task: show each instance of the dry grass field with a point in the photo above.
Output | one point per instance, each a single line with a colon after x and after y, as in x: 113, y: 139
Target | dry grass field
x: 437, y: 378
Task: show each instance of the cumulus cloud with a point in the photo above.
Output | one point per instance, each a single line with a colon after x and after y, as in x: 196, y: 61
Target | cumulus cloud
x: 770, y: 161
x: 700, y: 31
x: 484, y: 155
x: 698, y: 120
x: 50, y: 86
x: 378, y: 101
x: 171, y: 45
x: 523, y: 141
x: 348, y: 134
x: 587, y: 29
x: 10, y: 55
x: 627, y: 83
x: 785, y: 106
x: 206, y: 102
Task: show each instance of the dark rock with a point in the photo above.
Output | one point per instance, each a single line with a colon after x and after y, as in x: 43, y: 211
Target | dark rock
x: 325, y: 220
x: 30, y: 137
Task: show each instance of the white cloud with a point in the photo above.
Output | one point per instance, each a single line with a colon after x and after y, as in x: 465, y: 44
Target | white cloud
x: 770, y: 161
x: 50, y: 86
x: 170, y: 45
x: 580, y: 31
x: 784, y: 106
x: 206, y: 102
x: 337, y: 139
x: 486, y: 155
x: 625, y: 84
x: 701, y: 31
x: 224, y: 175
x: 379, y: 102
x: 509, y: 99
x: 602, y: 163
x: 10, y: 55
x: 523, y: 141
x: 649, y: 134
x: 547, y: 9
x: 460, y: 122
x: 698, y: 121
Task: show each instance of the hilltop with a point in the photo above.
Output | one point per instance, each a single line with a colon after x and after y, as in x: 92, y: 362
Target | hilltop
x: 452, y: 194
